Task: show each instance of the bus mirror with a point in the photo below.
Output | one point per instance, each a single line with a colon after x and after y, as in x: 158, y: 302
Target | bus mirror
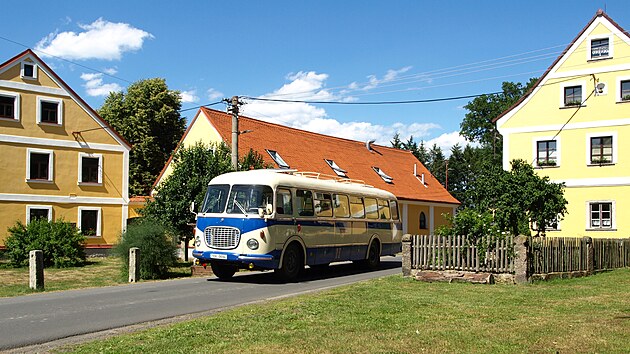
x: 192, y: 208
x: 269, y: 209
x: 261, y: 212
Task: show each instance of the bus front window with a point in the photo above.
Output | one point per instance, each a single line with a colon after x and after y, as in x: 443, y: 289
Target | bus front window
x: 248, y: 198
x: 215, y: 199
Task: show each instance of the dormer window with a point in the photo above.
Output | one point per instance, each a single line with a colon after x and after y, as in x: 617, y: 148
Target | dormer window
x: 28, y: 71
x: 277, y: 158
x: 600, y: 48
x: 383, y: 175
x: 338, y: 170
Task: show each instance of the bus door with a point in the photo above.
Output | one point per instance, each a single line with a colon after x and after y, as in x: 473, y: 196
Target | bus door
x: 343, y: 227
x: 285, y: 225
x: 360, y: 236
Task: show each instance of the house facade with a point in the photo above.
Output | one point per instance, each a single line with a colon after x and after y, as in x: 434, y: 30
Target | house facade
x: 60, y: 160
x: 574, y: 126
x: 423, y: 200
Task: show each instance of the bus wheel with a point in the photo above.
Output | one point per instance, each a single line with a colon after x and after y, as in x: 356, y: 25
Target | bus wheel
x: 374, y: 256
x: 223, y: 271
x: 292, y: 263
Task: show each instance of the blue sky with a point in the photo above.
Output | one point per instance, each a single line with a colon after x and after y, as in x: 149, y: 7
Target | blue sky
x: 351, y: 51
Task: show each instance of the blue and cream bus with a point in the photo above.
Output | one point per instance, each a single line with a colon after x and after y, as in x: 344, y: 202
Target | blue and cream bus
x: 284, y: 220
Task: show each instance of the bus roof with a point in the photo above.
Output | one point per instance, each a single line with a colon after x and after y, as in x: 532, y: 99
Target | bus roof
x: 306, y: 180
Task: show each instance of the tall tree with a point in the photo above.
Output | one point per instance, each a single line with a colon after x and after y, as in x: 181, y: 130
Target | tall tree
x: 147, y: 116
x: 396, y: 142
x: 437, y: 163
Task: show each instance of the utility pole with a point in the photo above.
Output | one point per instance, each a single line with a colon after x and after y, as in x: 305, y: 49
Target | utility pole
x: 233, y: 107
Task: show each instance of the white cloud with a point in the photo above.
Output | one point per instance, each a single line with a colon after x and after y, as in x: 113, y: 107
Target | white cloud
x: 99, y: 40
x: 374, y: 81
x: 94, y: 85
x: 214, y: 94
x: 189, y: 96
x: 446, y: 141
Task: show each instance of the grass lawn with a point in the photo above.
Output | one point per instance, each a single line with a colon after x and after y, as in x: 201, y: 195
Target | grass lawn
x: 99, y: 271
x: 396, y: 315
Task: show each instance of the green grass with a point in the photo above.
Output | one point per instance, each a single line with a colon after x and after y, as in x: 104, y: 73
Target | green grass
x: 396, y: 315
x: 99, y: 271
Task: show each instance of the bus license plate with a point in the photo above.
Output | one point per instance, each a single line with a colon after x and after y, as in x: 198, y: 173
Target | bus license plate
x: 218, y: 256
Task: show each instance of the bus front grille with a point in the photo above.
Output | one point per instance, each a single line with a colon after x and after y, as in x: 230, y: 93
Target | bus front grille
x: 222, y: 237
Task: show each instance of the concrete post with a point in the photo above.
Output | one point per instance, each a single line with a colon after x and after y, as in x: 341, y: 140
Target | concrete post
x: 134, y: 264
x: 36, y: 269
x: 406, y: 255
x: 590, y: 255
x: 521, y: 265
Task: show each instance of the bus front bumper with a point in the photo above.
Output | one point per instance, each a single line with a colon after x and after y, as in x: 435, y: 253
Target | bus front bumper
x: 262, y: 261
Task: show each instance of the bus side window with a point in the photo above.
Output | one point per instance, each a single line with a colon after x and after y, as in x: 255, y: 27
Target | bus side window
x: 341, y: 206
x: 283, y: 202
x: 356, y: 207
x: 371, y: 208
x: 304, y: 202
x: 393, y: 206
x: 323, y: 205
x: 383, y: 209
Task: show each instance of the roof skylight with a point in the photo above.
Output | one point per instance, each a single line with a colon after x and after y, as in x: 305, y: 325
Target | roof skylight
x: 383, y: 175
x: 277, y: 158
x: 338, y: 170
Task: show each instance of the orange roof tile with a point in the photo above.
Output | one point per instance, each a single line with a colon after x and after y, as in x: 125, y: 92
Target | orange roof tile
x: 307, y: 151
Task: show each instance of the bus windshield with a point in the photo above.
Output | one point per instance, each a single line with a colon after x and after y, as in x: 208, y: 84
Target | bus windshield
x: 246, y: 199
x: 215, y: 199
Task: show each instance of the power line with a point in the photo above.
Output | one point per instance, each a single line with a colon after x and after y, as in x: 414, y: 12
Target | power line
x: 203, y: 105
x: 370, y: 103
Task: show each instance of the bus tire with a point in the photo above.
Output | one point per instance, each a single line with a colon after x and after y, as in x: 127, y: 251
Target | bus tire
x: 223, y: 271
x: 292, y: 263
x: 374, y: 256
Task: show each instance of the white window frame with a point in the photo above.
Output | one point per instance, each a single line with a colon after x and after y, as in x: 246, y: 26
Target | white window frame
x: 535, y: 150
x: 569, y: 84
x: 34, y: 77
x: 98, y: 219
x: 597, y: 135
x: 100, y: 169
x: 59, y: 103
x: 383, y: 175
x: 618, y: 91
x: 613, y: 218
x: 590, y: 39
x: 534, y: 226
x: 30, y: 207
x: 338, y: 170
x: 275, y: 155
x: 51, y: 160
x: 16, y: 105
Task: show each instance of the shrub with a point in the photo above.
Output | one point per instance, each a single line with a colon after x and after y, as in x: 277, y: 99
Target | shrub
x: 60, y: 241
x: 156, y: 244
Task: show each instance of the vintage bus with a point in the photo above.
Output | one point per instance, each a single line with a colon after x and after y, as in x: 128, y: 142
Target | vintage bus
x: 284, y: 220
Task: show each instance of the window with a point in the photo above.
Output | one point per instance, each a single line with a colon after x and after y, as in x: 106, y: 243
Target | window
x: 393, y: 206
x: 341, y: 206
x: 304, y: 203
x: 277, y: 158
x: 338, y: 170
x: 248, y: 199
x: 283, y: 202
x: 546, y: 153
x: 423, y: 221
x: 90, y: 221
x: 625, y: 90
x: 28, y: 71
x: 9, y: 105
x: 34, y: 212
x: 601, y: 214
x: 371, y: 208
x: 356, y: 207
x: 90, y: 168
x: 39, y: 165
x: 601, y: 149
x: 552, y: 225
x: 49, y: 110
x: 323, y: 205
x: 599, y: 48
x: 383, y: 175
x: 383, y: 209
x: 573, y: 95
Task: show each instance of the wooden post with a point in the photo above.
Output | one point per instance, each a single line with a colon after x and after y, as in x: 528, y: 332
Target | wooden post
x: 134, y: 264
x: 520, y: 260
x: 406, y: 255
x: 590, y: 263
x: 36, y: 269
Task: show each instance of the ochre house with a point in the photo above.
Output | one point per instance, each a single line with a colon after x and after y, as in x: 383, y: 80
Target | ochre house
x: 574, y: 126
x: 422, y: 198
x: 59, y: 159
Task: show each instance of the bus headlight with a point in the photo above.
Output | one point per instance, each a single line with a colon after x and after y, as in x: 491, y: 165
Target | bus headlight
x: 252, y: 244
x: 197, y: 241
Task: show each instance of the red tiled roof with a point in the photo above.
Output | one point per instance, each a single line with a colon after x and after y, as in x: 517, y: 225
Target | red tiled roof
x: 306, y: 151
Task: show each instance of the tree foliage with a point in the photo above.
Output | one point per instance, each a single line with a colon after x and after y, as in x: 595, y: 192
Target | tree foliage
x: 147, y: 116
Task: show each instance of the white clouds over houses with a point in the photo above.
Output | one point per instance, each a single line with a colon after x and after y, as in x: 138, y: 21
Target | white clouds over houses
x: 94, y: 85
x: 101, y: 39
x: 214, y: 94
x: 189, y: 96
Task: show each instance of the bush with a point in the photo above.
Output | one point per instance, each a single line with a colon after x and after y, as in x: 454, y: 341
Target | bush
x: 156, y: 244
x: 60, y: 241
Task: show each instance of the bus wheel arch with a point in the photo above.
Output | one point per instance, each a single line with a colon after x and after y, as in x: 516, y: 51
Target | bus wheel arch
x: 373, y: 255
x: 292, y: 260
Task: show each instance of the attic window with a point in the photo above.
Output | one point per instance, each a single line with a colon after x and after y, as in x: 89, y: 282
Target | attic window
x: 600, y: 48
x: 29, y: 71
x: 277, y: 158
x: 383, y: 175
x: 338, y: 170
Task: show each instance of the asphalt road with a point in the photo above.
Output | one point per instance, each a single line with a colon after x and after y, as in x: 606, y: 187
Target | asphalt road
x: 46, y: 317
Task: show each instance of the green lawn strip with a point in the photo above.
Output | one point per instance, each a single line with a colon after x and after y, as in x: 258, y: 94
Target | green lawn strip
x: 396, y: 315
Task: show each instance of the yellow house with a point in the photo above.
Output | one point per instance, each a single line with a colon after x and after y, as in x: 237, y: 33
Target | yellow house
x: 574, y: 126
x: 59, y: 159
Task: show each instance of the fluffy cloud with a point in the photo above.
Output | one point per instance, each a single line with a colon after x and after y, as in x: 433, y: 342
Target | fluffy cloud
x: 99, y: 40
x: 214, y: 94
x: 94, y: 85
x: 189, y: 96
x: 446, y: 141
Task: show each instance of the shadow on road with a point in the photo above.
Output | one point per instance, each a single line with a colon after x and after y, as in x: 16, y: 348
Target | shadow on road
x: 335, y: 270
